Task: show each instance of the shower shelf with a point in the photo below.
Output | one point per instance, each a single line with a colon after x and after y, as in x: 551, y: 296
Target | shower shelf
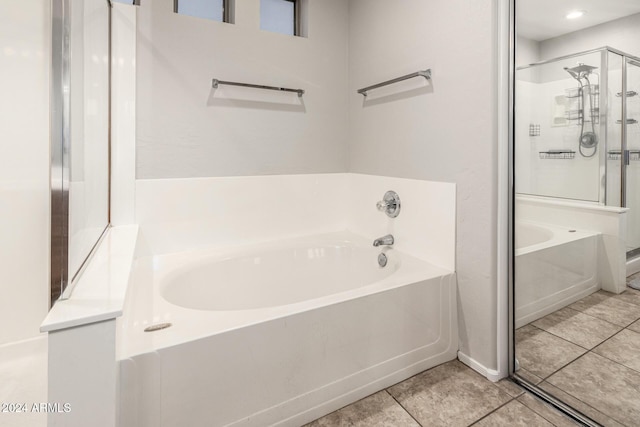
x: 578, y: 115
x: 629, y: 121
x: 557, y: 154
x: 577, y: 92
x: 615, y: 155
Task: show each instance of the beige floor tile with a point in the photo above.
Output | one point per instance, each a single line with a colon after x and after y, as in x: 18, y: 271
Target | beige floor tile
x: 526, y: 375
x: 514, y: 414
x: 577, y: 327
x: 379, y: 409
x: 546, y: 411
x: 623, y: 348
x: 632, y: 296
x: 509, y: 387
x: 635, y: 326
x: 607, y: 386
x: 448, y: 395
x: 604, y: 306
x: 579, y: 405
x: 541, y: 353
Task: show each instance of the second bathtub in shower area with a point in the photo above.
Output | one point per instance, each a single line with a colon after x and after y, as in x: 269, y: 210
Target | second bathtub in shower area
x: 554, y: 267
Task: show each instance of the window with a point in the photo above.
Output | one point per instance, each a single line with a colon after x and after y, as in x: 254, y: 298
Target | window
x: 280, y: 16
x: 216, y: 10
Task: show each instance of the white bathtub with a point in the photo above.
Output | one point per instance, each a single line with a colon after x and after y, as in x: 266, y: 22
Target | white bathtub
x: 278, y: 333
x: 554, y: 267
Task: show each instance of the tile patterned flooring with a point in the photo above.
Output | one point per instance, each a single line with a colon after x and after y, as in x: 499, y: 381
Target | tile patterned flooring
x: 588, y: 355
x: 448, y: 395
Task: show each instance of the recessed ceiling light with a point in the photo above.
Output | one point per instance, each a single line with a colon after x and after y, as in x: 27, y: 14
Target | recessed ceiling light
x: 576, y: 14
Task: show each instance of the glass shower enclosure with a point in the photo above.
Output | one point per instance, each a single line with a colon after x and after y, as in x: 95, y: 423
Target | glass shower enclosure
x: 578, y: 132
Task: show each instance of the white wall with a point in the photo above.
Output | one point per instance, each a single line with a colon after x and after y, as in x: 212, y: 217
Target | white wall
x: 622, y: 34
x: 443, y: 131
x: 187, y: 129
x: 25, y: 31
x: 527, y: 51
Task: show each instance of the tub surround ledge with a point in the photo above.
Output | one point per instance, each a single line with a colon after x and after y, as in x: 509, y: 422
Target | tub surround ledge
x: 100, y: 292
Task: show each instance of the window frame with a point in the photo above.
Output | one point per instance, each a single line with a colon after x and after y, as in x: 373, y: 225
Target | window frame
x: 226, y: 11
x: 297, y: 19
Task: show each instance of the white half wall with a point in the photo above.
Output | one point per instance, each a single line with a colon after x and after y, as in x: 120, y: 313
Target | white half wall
x: 609, y: 221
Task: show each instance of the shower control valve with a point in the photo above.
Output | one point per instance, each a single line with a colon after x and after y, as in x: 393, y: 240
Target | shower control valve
x: 390, y: 204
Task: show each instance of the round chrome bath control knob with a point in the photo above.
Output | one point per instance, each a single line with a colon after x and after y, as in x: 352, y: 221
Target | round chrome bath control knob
x: 390, y: 204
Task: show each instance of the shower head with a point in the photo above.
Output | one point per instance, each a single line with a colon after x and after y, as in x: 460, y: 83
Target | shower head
x: 580, y: 71
x: 573, y: 73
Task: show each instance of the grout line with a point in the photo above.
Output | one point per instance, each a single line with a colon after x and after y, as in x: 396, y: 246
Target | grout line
x: 610, y: 359
x: 547, y: 405
x: 486, y: 415
x: 611, y: 416
x: 581, y: 346
x: 563, y: 366
x: 590, y: 315
x: 595, y: 317
x: 405, y: 409
x: 579, y: 400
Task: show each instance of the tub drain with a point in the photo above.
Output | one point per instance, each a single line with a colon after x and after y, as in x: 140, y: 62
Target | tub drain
x: 157, y: 327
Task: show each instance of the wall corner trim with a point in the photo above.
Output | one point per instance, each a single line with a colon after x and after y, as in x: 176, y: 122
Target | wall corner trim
x: 491, y: 374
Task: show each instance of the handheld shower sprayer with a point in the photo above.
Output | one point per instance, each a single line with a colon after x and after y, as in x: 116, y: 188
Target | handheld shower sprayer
x: 587, y: 139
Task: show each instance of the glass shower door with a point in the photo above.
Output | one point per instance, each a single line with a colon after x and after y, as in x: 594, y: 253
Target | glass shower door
x: 632, y: 161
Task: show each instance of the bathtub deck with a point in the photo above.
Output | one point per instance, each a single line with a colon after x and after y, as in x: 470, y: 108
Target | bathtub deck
x: 145, y: 306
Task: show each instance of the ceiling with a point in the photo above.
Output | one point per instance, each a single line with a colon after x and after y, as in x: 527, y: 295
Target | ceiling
x: 544, y: 19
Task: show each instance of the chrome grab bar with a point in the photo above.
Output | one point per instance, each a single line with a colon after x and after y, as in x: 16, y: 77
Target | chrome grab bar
x: 217, y: 82
x: 422, y: 73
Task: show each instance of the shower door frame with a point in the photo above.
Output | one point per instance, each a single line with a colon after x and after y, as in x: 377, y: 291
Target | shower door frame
x: 507, y: 183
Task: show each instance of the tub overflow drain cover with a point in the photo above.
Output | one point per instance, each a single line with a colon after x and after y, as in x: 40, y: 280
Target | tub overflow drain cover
x: 157, y: 327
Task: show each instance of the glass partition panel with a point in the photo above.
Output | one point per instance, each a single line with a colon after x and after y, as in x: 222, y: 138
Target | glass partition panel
x: 633, y: 159
x: 614, y: 136
x: 558, y: 130
x: 80, y: 142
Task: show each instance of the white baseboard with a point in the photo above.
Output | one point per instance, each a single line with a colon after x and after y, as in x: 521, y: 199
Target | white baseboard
x: 491, y: 374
